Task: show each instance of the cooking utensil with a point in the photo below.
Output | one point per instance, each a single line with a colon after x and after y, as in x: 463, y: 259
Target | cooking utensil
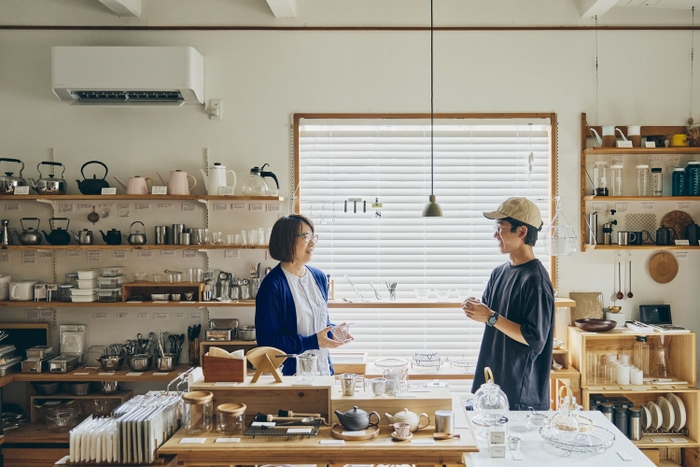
x: 94, y: 185
x: 595, y: 325
x: 619, y: 294
x: 630, y: 294
x: 30, y: 235
x: 93, y: 216
x: 178, y: 183
x: 663, y: 267
x: 8, y: 182
x: 217, y: 178
x: 136, y: 238
x: 50, y: 185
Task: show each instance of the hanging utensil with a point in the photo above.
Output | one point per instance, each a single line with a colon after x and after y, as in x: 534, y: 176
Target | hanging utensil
x: 619, y: 294
x: 93, y: 216
x: 630, y: 294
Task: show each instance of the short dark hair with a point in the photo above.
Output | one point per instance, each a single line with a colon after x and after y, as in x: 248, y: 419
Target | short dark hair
x: 531, y: 237
x: 284, y: 236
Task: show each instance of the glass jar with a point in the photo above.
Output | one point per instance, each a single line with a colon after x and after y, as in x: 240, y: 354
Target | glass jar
x: 230, y: 418
x: 197, y: 411
x: 72, y: 278
x: 692, y: 179
x: 64, y: 292
x: 678, y: 182
x: 616, y: 179
x: 600, y: 178
x: 643, y: 182
x: 657, y: 182
x: 641, y: 354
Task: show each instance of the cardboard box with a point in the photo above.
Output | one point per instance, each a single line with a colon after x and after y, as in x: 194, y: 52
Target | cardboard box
x: 230, y: 370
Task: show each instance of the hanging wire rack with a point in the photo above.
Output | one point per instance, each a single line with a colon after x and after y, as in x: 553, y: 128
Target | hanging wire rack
x: 560, y: 239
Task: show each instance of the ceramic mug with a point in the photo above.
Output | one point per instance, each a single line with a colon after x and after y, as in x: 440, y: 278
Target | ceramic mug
x: 22, y: 291
x: 678, y: 140
x: 634, y: 133
x: 5, y: 288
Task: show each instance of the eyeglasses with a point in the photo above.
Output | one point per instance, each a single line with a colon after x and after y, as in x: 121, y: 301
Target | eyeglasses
x: 309, y: 238
x: 500, y: 227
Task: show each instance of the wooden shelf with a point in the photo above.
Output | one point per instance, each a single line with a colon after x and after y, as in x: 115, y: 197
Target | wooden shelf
x: 644, y: 151
x: 649, y: 246
x: 125, y: 197
x: 640, y: 198
x: 128, y: 394
x: 357, y: 303
x: 35, y: 433
x: 127, y: 247
x: 99, y: 375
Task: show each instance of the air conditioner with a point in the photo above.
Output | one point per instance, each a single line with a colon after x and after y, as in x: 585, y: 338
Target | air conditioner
x: 128, y: 75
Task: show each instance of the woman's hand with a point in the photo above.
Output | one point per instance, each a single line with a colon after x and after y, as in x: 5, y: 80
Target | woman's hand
x: 476, y: 310
x: 325, y: 342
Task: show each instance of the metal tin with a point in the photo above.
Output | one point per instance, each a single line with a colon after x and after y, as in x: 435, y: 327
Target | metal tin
x: 177, y: 230
x: 6, y: 353
x: 63, y: 364
x: 161, y: 234
x: 223, y: 323
x: 39, y: 351
x: 36, y: 365
x: 11, y: 366
x: 218, y: 334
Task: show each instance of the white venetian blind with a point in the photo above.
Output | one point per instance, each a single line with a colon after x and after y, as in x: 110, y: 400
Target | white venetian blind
x: 477, y: 165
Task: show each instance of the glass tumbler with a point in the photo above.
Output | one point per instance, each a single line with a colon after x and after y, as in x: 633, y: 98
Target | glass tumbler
x: 600, y: 178
x: 307, y: 364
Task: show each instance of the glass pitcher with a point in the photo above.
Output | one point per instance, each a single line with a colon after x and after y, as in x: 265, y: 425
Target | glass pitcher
x: 255, y: 184
x: 658, y: 364
x: 490, y: 402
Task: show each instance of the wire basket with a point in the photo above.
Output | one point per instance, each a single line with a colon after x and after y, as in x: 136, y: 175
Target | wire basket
x: 560, y: 239
x: 593, y: 439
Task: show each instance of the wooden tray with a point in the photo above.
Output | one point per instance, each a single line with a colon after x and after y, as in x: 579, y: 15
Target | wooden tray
x: 370, y: 433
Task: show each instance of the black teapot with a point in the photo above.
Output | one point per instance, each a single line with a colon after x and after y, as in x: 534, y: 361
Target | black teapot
x: 58, y: 235
x: 94, y: 185
x: 112, y: 237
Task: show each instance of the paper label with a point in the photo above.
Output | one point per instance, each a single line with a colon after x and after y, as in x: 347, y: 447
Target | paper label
x: 161, y: 373
x: 267, y: 424
x: 21, y: 190
x: 134, y: 373
x: 28, y: 257
x: 228, y: 440
x: 354, y: 433
x: 226, y: 383
x: 165, y: 205
x: 159, y: 190
x: 255, y: 206
x: 231, y: 254
x: 189, y: 254
x: 423, y: 441
x: 683, y: 206
x: 272, y: 207
x: 119, y: 254
x: 298, y: 430
x: 109, y: 191
x: 238, y: 206
x: 226, y: 190
x: 220, y: 207
x: 94, y: 256
x: 167, y: 253
x: 145, y: 253
x: 600, y: 207
x: 193, y: 440
x: 332, y: 441
x: 621, y: 207
x: 647, y: 206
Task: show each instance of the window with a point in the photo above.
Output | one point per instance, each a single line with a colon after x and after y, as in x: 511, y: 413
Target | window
x: 364, y: 181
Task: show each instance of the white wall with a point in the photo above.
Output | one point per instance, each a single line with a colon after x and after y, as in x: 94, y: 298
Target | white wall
x: 264, y: 77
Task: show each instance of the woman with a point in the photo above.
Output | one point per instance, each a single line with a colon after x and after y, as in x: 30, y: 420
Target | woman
x: 291, y: 308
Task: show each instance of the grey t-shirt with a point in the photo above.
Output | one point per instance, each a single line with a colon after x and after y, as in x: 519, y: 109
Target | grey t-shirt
x: 524, y: 295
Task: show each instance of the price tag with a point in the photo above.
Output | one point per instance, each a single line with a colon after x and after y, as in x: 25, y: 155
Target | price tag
x: 161, y: 315
x: 220, y: 207
x: 622, y: 207
x: 238, y: 206
x: 73, y: 254
x: 600, y: 207
x: 64, y: 208
x: 28, y: 257
x: 624, y: 144
x: 189, y: 254
x: 145, y: 253
x: 123, y: 315
x: 45, y: 254
x: 21, y: 190
x: 228, y: 440
x: 177, y: 315
x: 12, y: 207
x: 272, y: 207
x: 255, y: 206
x: 231, y: 254
x: 617, y: 160
x: 649, y: 144
x: 122, y: 206
x: 655, y: 159
x: 143, y: 315
x: 673, y: 159
x: 195, y: 316
x: 681, y: 254
x: 84, y: 206
x: 647, y: 206
x: 134, y: 373
x: 94, y: 256
x: 159, y: 190
x: 226, y: 191
x: 167, y: 253
x: 143, y: 206
x: 682, y: 242
x: 165, y: 205
x: 187, y: 207
x: 683, y: 206
x: 100, y: 315
x: 109, y: 191
x: 117, y: 254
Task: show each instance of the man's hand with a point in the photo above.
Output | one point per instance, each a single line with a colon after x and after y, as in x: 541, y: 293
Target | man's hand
x: 476, y: 310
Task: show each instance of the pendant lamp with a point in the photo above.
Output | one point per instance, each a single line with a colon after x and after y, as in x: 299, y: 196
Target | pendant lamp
x: 432, y: 209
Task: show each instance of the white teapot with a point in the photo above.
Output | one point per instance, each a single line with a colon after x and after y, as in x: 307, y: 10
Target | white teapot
x: 406, y: 416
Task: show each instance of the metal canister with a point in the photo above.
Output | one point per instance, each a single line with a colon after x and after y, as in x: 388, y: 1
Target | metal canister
x: 621, y: 420
x: 177, y: 230
x: 607, y: 408
x: 185, y: 239
x: 162, y: 237
x: 244, y: 285
x: 635, y: 423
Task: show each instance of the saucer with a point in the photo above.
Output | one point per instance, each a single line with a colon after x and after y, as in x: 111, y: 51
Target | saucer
x: 395, y: 436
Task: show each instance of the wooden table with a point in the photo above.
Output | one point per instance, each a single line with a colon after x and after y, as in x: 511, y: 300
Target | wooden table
x: 309, y: 450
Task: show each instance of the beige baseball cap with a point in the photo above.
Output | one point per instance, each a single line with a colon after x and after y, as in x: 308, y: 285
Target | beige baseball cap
x: 520, y: 209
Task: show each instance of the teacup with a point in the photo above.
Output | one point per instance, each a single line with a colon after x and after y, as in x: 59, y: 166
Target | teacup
x: 402, y: 429
x: 535, y: 421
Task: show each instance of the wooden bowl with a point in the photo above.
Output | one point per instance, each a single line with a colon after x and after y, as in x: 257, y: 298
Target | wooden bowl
x: 595, y: 325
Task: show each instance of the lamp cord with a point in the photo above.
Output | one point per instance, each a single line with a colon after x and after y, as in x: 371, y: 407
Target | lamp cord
x: 431, y: 99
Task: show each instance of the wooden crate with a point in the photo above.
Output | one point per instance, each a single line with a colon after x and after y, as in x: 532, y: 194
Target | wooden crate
x: 217, y: 369
x: 131, y: 289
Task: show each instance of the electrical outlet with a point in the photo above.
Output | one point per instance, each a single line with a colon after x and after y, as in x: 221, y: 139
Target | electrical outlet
x: 216, y: 109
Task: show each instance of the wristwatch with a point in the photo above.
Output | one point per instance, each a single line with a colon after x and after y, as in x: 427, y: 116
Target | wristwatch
x: 492, y: 320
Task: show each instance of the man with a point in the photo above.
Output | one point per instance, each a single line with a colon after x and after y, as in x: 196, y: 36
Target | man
x: 518, y: 309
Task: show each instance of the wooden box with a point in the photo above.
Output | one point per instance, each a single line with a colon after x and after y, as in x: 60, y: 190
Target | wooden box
x: 349, y: 362
x: 230, y: 370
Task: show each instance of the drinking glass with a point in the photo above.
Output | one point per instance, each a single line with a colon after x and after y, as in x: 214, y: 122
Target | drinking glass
x: 230, y: 239
x: 217, y: 238
x: 244, y: 238
x: 253, y: 237
x: 261, y: 236
x: 307, y: 366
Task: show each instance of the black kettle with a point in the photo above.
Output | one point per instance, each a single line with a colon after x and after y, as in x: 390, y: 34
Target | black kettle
x: 58, y: 236
x: 692, y: 233
x: 663, y: 236
x: 94, y: 185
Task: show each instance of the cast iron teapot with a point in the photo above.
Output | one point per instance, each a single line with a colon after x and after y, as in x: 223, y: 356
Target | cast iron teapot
x: 356, y: 419
x: 94, y: 185
x: 58, y: 235
x: 112, y: 237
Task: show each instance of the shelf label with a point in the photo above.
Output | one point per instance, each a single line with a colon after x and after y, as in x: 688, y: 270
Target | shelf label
x: 159, y: 190
x: 255, y: 206
x: 655, y: 159
x: 28, y: 257
x: 160, y: 315
x: 21, y: 190
x: 64, y: 208
x: 31, y: 314
x: 143, y: 315
x: 238, y: 206
x: 84, y: 206
x: 195, y: 316
x: 622, y: 207
x: 272, y: 207
x: 45, y: 254
x: 4, y: 257
x: 94, y: 256
x: 600, y: 207
x: 683, y: 206
x: 119, y: 254
x: 618, y: 159
x: 74, y: 254
x: 100, y: 315
x: 122, y: 206
x: 12, y: 207
x: 681, y: 254
x: 123, y: 315
x: 647, y: 206
x: 673, y: 160
x: 190, y: 254
x: 682, y: 242
x: 177, y: 315
x: 220, y: 207
x: 106, y: 205
x: 165, y: 205
x: 143, y: 206
x: 231, y: 254
x: 109, y: 191
x: 145, y: 253
x: 167, y: 253
x: 187, y: 207
x: 46, y: 315
x: 226, y: 190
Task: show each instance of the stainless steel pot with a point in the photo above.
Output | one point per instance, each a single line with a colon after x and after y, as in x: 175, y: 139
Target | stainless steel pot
x: 9, y: 182
x: 246, y: 333
x: 108, y: 387
x: 111, y: 362
x: 166, y: 362
x: 50, y: 185
x: 80, y: 389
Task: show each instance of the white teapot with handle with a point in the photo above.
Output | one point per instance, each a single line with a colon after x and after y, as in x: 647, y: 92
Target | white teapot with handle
x: 406, y: 416
x: 217, y: 178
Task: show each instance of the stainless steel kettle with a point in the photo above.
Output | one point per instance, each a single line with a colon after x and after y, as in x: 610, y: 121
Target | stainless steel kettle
x: 50, y: 185
x: 136, y: 238
x: 9, y: 182
x: 84, y: 237
x: 30, y: 235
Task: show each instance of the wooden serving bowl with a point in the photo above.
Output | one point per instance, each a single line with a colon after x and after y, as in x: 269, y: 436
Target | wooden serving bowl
x: 595, y: 325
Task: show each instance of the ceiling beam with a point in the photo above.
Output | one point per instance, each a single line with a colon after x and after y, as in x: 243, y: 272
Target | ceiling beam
x: 123, y: 7
x: 593, y: 8
x: 282, y: 8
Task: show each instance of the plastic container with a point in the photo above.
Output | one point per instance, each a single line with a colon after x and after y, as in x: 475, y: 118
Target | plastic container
x: 88, y: 274
x: 109, y: 295
x: 110, y: 282
x: 657, y: 182
x: 643, y: 180
x: 600, y: 178
x: 616, y: 180
x: 678, y: 182
x: 230, y: 418
x: 87, y: 283
x: 692, y: 179
x: 112, y: 271
x: 197, y: 412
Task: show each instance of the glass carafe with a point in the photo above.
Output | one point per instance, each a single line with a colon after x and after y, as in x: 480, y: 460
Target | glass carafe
x: 565, y: 422
x: 641, y: 354
x: 658, y: 365
x: 255, y: 184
